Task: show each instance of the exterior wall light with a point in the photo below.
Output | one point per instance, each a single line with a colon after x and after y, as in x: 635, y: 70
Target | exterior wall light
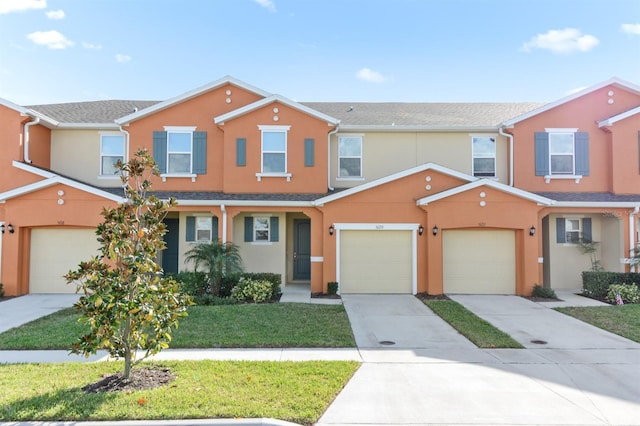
x: 10, y: 228
x: 2, y: 228
x: 331, y: 230
x: 435, y: 230
x: 532, y: 230
x: 420, y: 230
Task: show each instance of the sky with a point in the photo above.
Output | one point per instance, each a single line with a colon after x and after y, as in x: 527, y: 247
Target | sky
x: 54, y: 51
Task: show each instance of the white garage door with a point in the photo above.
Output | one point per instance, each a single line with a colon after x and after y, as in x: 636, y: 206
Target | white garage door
x: 479, y: 261
x: 54, y: 252
x: 375, y: 262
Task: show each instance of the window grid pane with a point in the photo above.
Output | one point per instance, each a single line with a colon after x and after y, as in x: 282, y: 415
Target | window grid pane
x: 350, y: 157
x: 261, y: 229
x: 179, y: 152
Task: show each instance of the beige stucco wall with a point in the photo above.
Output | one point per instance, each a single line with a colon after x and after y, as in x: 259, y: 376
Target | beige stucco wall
x: 611, y: 246
x: 567, y: 260
x: 76, y: 153
x: 262, y: 257
x: 386, y: 153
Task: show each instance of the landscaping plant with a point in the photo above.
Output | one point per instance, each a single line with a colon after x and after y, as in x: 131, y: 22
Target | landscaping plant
x: 249, y: 290
x: 543, y: 292
x: 629, y: 293
x: 127, y: 302
x: 219, y: 260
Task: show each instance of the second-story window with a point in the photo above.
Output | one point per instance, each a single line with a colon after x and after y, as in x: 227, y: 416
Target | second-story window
x: 179, y: 150
x: 274, y: 149
x: 111, y: 151
x: 484, y: 156
x: 561, y: 153
x: 350, y: 156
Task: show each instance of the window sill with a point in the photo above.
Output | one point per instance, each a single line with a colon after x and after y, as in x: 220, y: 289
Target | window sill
x: 577, y: 178
x: 259, y: 176
x: 355, y: 178
x: 108, y: 177
x: 164, y: 176
x: 261, y: 243
x: 495, y: 178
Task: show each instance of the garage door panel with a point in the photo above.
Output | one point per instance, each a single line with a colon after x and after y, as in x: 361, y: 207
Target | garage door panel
x: 376, y: 262
x: 479, y: 261
x: 54, y: 252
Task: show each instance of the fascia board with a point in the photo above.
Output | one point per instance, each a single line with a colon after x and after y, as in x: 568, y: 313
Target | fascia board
x: 612, y: 120
x: 8, y: 104
x: 242, y: 203
x: 87, y: 126
x: 271, y: 99
x: 188, y: 95
x: 391, y: 178
x: 408, y: 128
x: 612, y: 81
x: 32, y: 187
x: 36, y: 171
x: 485, y: 182
x: 595, y: 204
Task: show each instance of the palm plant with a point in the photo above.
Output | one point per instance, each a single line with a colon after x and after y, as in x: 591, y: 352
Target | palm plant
x: 218, y: 260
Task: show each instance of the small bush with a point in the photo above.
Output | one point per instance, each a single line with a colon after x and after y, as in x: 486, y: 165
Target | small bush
x: 249, y: 290
x: 1, y: 290
x: 596, y: 284
x: 543, y: 292
x: 628, y: 292
x: 194, y: 284
x: 274, y: 279
x: 332, y: 287
x: 210, y: 299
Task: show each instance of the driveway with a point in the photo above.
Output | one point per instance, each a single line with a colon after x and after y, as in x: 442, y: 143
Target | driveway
x: 23, y: 309
x: 431, y: 376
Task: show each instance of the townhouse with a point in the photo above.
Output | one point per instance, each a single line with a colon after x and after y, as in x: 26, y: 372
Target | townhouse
x: 380, y: 197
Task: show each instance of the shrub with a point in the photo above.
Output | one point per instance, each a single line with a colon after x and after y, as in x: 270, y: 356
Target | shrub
x: 332, y: 287
x: 274, y: 279
x: 249, y: 290
x: 543, y: 292
x: 210, y: 299
x: 628, y: 292
x: 1, y: 290
x: 596, y: 284
x: 192, y: 283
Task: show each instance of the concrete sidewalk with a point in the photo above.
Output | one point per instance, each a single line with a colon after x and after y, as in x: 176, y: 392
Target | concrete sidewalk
x: 21, y: 310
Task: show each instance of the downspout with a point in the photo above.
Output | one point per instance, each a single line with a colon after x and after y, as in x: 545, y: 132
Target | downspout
x: 510, y: 137
x: 632, y: 243
x: 1, y: 227
x: 331, y: 133
x: 27, y: 158
x: 224, y: 223
x: 127, y: 139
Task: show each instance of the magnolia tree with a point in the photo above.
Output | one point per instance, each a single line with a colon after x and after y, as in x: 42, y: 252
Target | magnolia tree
x: 127, y: 302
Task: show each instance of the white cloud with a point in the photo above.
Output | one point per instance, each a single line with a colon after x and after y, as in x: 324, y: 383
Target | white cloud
x: 91, y: 46
x: 8, y: 6
x: 369, y: 75
x: 52, y: 39
x: 567, y: 40
x: 630, y: 29
x: 122, y: 58
x: 267, y: 4
x: 55, y: 14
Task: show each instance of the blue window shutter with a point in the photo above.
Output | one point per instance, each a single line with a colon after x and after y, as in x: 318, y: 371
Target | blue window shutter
x: 582, y: 153
x: 248, y: 229
x: 542, y: 153
x: 273, y: 229
x: 199, y: 153
x: 241, y: 152
x: 160, y: 150
x: 214, y: 232
x: 586, y: 229
x: 191, y: 228
x: 308, y: 152
x: 561, y: 234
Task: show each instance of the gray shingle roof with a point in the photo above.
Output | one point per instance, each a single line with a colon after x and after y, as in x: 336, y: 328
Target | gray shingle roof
x: 591, y: 197
x: 221, y: 196
x: 422, y: 114
x: 90, y: 112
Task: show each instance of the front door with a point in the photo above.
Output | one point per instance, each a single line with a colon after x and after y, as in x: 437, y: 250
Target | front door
x: 171, y: 240
x: 301, y: 249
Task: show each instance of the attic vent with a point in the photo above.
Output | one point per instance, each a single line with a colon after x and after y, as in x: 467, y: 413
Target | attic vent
x: 135, y: 109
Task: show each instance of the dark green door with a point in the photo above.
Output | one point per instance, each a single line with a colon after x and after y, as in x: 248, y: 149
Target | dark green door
x: 171, y: 240
x: 301, y: 249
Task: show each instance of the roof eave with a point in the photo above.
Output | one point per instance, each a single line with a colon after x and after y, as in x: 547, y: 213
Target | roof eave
x: 418, y: 128
x: 602, y: 204
x: 242, y: 203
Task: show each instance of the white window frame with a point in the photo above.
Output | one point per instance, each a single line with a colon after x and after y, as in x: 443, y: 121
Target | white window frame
x: 189, y: 174
x: 567, y: 219
x: 572, y: 133
x: 267, y: 219
x: 124, y: 154
x: 494, y: 156
x: 274, y: 129
x: 198, y: 222
x: 360, y: 157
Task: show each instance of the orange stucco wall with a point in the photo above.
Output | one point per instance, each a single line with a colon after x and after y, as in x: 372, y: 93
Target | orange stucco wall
x: 582, y: 113
x: 41, y: 209
x: 199, y: 111
x: 10, y: 145
x: 624, y: 140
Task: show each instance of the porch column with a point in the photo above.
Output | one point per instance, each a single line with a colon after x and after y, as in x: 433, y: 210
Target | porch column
x: 317, y: 255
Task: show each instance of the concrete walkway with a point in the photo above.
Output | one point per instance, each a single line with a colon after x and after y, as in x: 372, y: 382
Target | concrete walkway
x: 21, y: 310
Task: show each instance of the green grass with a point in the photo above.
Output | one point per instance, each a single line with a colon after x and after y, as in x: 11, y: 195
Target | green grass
x: 622, y: 320
x: 294, y: 391
x: 477, y: 330
x: 271, y: 325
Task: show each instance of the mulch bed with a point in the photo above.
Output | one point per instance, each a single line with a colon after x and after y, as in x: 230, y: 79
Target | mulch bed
x: 325, y: 296
x: 139, y: 379
x: 426, y: 296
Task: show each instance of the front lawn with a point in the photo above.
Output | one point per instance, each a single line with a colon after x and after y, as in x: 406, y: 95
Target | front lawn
x: 622, y: 320
x: 294, y: 391
x: 272, y: 325
x: 474, y: 328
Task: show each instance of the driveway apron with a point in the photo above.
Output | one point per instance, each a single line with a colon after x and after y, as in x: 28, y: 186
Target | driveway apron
x: 20, y: 310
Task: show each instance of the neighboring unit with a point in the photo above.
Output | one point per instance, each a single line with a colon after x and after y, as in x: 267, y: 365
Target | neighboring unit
x: 380, y: 197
